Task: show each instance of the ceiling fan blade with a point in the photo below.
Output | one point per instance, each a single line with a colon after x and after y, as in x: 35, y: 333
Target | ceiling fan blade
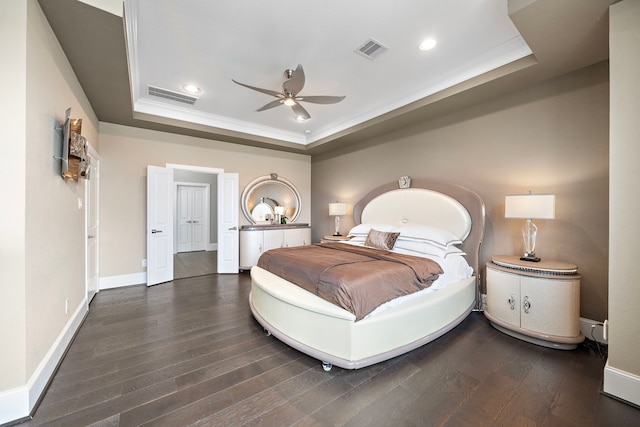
x: 296, y: 82
x: 267, y: 91
x: 299, y: 111
x: 320, y: 99
x: 272, y: 104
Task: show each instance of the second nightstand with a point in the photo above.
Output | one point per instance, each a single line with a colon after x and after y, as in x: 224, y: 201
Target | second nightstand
x: 535, y: 302
x: 332, y: 238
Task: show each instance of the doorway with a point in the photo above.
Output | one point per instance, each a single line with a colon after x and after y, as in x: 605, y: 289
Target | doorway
x: 161, y: 213
x: 199, y: 189
x: 192, y: 256
x: 195, y: 212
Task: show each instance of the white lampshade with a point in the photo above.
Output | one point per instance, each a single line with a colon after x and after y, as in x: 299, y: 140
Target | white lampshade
x: 530, y: 206
x: 336, y: 209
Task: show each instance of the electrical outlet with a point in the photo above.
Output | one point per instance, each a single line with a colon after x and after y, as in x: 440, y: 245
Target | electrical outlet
x: 144, y: 262
x: 66, y: 306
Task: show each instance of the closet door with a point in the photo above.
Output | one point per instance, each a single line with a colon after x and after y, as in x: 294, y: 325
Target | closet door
x: 183, y: 212
x: 191, y: 211
x: 199, y: 214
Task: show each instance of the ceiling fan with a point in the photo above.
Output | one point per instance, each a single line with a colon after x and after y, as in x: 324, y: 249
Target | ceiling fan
x: 290, y: 94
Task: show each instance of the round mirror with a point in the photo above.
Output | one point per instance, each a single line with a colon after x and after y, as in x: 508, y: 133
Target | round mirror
x: 268, y: 197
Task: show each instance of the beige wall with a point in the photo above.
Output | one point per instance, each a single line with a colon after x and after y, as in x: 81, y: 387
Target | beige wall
x: 624, y: 292
x: 124, y: 155
x: 549, y: 138
x: 13, y: 82
x: 53, y: 219
x: 43, y: 249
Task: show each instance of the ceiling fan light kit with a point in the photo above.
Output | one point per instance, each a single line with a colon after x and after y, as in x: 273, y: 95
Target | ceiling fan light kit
x: 289, y: 95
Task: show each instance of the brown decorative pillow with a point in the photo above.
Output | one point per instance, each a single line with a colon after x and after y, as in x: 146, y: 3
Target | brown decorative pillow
x: 381, y: 239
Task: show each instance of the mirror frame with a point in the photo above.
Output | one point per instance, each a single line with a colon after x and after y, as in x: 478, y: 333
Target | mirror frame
x: 269, y: 179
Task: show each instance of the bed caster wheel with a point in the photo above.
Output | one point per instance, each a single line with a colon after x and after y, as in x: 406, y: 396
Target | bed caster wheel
x: 267, y: 332
x: 326, y: 366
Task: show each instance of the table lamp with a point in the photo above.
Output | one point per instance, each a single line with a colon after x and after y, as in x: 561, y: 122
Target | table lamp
x: 530, y: 207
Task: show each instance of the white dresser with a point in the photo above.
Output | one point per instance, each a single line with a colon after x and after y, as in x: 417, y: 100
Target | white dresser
x: 255, y: 239
x: 537, y: 302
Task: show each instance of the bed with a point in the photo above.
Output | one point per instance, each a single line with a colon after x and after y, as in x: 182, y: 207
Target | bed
x: 331, y: 333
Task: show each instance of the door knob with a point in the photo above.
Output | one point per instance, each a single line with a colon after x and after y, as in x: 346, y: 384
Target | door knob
x: 154, y: 231
x: 233, y: 228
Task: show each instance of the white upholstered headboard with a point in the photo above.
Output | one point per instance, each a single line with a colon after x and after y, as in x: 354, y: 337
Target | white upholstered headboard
x: 418, y: 206
x: 429, y: 202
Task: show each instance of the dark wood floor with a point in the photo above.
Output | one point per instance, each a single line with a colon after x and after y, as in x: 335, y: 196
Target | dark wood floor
x: 188, y: 352
x: 191, y: 264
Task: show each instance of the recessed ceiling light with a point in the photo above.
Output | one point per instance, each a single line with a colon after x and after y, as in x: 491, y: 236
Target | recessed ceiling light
x: 301, y: 118
x: 191, y: 88
x: 307, y: 132
x: 427, y: 44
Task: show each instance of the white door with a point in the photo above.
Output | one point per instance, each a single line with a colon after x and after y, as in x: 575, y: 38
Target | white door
x: 192, y: 212
x: 199, y: 218
x: 159, y: 225
x: 183, y: 212
x: 228, y: 234
x: 91, y: 225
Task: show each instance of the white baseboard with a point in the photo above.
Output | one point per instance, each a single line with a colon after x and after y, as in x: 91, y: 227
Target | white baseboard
x: 622, y: 384
x: 212, y: 247
x: 17, y: 403
x: 122, y: 280
x: 592, y: 333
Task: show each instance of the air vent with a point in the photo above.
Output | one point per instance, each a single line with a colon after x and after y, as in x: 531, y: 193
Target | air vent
x: 371, y: 49
x: 169, y: 94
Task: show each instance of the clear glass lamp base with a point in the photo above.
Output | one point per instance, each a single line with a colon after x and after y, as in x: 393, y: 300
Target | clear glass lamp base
x: 337, y: 233
x: 529, y: 232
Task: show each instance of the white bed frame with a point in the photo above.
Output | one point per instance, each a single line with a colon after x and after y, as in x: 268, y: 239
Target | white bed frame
x: 329, y: 333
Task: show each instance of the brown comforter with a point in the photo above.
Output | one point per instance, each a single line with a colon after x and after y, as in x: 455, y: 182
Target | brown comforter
x: 355, y: 278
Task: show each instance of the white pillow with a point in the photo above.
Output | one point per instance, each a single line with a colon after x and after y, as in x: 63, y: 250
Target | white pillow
x: 428, y: 248
x: 427, y: 233
x: 363, y: 229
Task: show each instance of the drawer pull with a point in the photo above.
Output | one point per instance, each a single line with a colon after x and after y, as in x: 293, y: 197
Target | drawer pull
x: 526, y: 304
x: 512, y: 301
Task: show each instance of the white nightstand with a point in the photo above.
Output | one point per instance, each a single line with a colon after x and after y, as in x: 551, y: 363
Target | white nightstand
x: 538, y: 302
x: 332, y: 238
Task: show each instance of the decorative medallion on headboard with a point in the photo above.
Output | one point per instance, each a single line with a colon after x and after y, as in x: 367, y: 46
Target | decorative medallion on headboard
x: 404, y: 182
